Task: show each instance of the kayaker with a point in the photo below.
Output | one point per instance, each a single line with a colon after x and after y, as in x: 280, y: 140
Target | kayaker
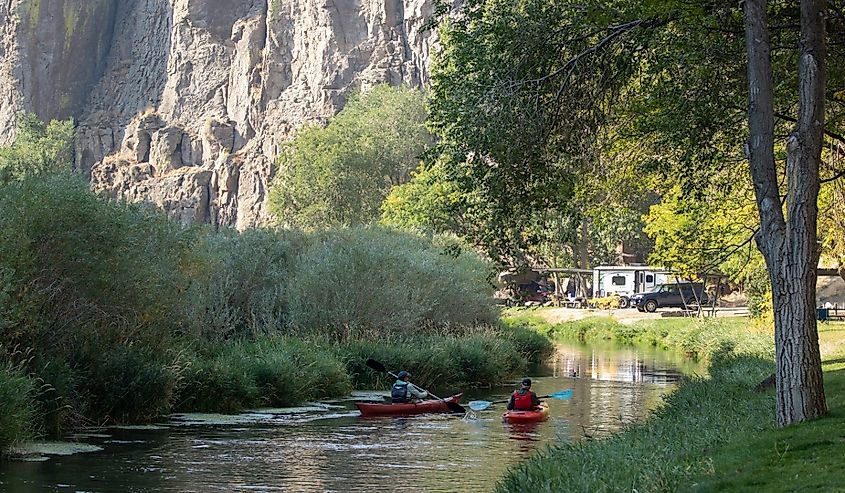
x: 405, y: 391
x: 523, y: 399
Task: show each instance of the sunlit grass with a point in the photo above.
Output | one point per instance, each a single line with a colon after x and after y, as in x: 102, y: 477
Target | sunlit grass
x: 696, y: 338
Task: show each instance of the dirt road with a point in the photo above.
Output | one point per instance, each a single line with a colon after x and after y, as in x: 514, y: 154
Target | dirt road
x: 625, y: 316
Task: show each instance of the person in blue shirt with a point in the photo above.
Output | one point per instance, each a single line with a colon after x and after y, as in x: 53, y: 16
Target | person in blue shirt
x: 405, y: 391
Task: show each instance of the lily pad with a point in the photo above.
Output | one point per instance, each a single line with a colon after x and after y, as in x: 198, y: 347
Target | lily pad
x: 32, y: 458
x: 187, y: 419
x: 309, y: 407
x: 369, y: 395
x: 90, y: 435
x: 39, y: 449
x: 140, y: 427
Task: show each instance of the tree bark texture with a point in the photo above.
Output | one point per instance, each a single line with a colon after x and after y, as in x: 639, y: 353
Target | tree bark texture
x: 789, y: 242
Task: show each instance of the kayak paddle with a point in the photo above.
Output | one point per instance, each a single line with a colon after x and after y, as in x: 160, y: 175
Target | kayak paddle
x: 453, y: 406
x: 482, y: 405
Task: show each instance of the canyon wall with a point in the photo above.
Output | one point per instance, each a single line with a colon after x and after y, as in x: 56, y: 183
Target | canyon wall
x: 184, y: 103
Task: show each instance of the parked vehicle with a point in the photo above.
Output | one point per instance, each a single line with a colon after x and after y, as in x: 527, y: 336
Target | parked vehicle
x: 672, y: 295
x: 624, y: 281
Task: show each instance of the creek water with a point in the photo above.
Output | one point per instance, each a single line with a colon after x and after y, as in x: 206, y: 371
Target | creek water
x: 329, y: 447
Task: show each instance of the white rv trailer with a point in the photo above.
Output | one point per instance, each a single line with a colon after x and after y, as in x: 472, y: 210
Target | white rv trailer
x: 627, y: 280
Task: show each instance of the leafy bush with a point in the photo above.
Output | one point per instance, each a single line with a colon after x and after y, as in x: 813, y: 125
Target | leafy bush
x: 758, y: 288
x: 340, y: 174
x: 240, y: 283
x: 39, y: 149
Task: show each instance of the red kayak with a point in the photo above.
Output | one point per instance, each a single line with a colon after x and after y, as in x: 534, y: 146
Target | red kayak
x: 430, y: 406
x: 541, y: 413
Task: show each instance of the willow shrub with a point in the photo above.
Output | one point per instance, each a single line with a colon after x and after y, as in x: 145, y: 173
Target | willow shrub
x: 71, y: 259
x: 373, y: 278
x: 240, y: 282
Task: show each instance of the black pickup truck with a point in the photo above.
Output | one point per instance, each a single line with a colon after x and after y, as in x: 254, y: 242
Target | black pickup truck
x: 674, y: 295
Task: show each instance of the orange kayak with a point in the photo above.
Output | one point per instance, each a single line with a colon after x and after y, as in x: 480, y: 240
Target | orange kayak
x: 536, y: 415
x: 429, y: 406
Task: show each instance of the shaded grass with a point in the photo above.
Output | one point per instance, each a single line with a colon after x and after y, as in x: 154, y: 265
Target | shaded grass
x: 804, y: 457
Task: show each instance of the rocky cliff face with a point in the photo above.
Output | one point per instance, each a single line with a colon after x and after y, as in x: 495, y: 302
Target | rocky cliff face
x: 184, y: 103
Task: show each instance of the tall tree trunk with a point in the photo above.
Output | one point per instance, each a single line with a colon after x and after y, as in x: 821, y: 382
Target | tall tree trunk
x: 789, y: 243
x: 583, y: 261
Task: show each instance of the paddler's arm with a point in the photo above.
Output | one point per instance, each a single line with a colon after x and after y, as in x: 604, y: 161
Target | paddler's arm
x: 416, y: 392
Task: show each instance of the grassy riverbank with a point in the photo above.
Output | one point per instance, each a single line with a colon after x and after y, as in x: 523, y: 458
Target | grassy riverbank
x: 113, y: 313
x: 697, y: 339
x: 713, y: 434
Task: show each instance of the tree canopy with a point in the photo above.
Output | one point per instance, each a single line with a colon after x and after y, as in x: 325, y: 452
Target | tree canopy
x: 718, y: 108
x: 341, y: 173
x: 38, y: 149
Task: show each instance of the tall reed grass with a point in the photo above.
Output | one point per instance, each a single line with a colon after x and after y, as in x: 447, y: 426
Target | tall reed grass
x: 17, y: 406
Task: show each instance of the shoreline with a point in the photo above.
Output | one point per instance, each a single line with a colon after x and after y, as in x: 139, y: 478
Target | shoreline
x: 713, y: 434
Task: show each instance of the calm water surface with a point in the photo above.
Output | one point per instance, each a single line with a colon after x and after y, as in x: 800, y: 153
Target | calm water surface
x: 331, y: 448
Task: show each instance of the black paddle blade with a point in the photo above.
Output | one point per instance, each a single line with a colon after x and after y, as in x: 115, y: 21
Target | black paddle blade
x: 456, y: 408
x: 375, y: 365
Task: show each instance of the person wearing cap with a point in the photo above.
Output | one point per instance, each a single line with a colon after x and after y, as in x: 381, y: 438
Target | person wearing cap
x: 405, y: 391
x: 523, y: 399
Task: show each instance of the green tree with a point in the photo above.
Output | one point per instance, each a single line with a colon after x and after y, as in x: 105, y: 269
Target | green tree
x: 38, y: 149
x: 341, y: 173
x: 529, y: 92
x: 428, y: 203
x: 521, y: 99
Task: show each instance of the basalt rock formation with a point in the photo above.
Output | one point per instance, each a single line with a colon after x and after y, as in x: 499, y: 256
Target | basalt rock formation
x: 184, y: 103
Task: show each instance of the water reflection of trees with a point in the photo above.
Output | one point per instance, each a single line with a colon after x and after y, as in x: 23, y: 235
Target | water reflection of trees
x: 620, y: 365
x: 612, y: 386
